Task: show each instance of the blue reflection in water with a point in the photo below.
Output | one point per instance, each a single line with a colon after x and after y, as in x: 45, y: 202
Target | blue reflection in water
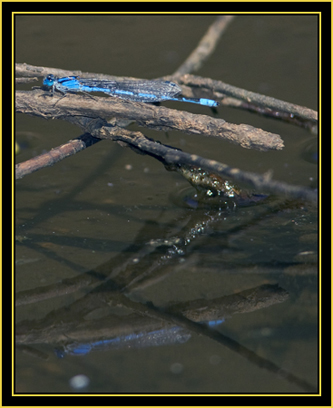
x: 162, y: 337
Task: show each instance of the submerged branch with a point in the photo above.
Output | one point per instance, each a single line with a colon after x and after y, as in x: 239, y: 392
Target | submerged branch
x: 169, y: 155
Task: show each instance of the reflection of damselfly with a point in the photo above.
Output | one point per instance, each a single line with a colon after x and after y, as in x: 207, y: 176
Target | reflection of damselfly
x: 137, y: 91
x: 162, y: 337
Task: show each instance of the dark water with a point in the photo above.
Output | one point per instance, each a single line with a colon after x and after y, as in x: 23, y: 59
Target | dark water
x: 109, y: 211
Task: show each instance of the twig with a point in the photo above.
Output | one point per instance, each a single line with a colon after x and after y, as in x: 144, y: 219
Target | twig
x: 249, y: 97
x: 54, y: 155
x: 36, y: 70
x: 205, y: 47
x: 25, y: 80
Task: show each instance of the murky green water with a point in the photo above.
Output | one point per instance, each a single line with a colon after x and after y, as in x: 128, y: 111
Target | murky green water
x: 108, y: 213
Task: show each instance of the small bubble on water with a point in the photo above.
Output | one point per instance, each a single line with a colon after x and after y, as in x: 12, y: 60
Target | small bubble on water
x: 78, y: 382
x: 176, y: 368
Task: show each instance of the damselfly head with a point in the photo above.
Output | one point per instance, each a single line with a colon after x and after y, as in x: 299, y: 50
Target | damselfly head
x: 49, y: 80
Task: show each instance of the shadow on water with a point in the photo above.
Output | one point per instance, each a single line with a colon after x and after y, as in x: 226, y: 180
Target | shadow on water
x: 114, y: 311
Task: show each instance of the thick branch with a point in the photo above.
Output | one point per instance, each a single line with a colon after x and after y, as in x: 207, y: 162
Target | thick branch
x: 146, y: 115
